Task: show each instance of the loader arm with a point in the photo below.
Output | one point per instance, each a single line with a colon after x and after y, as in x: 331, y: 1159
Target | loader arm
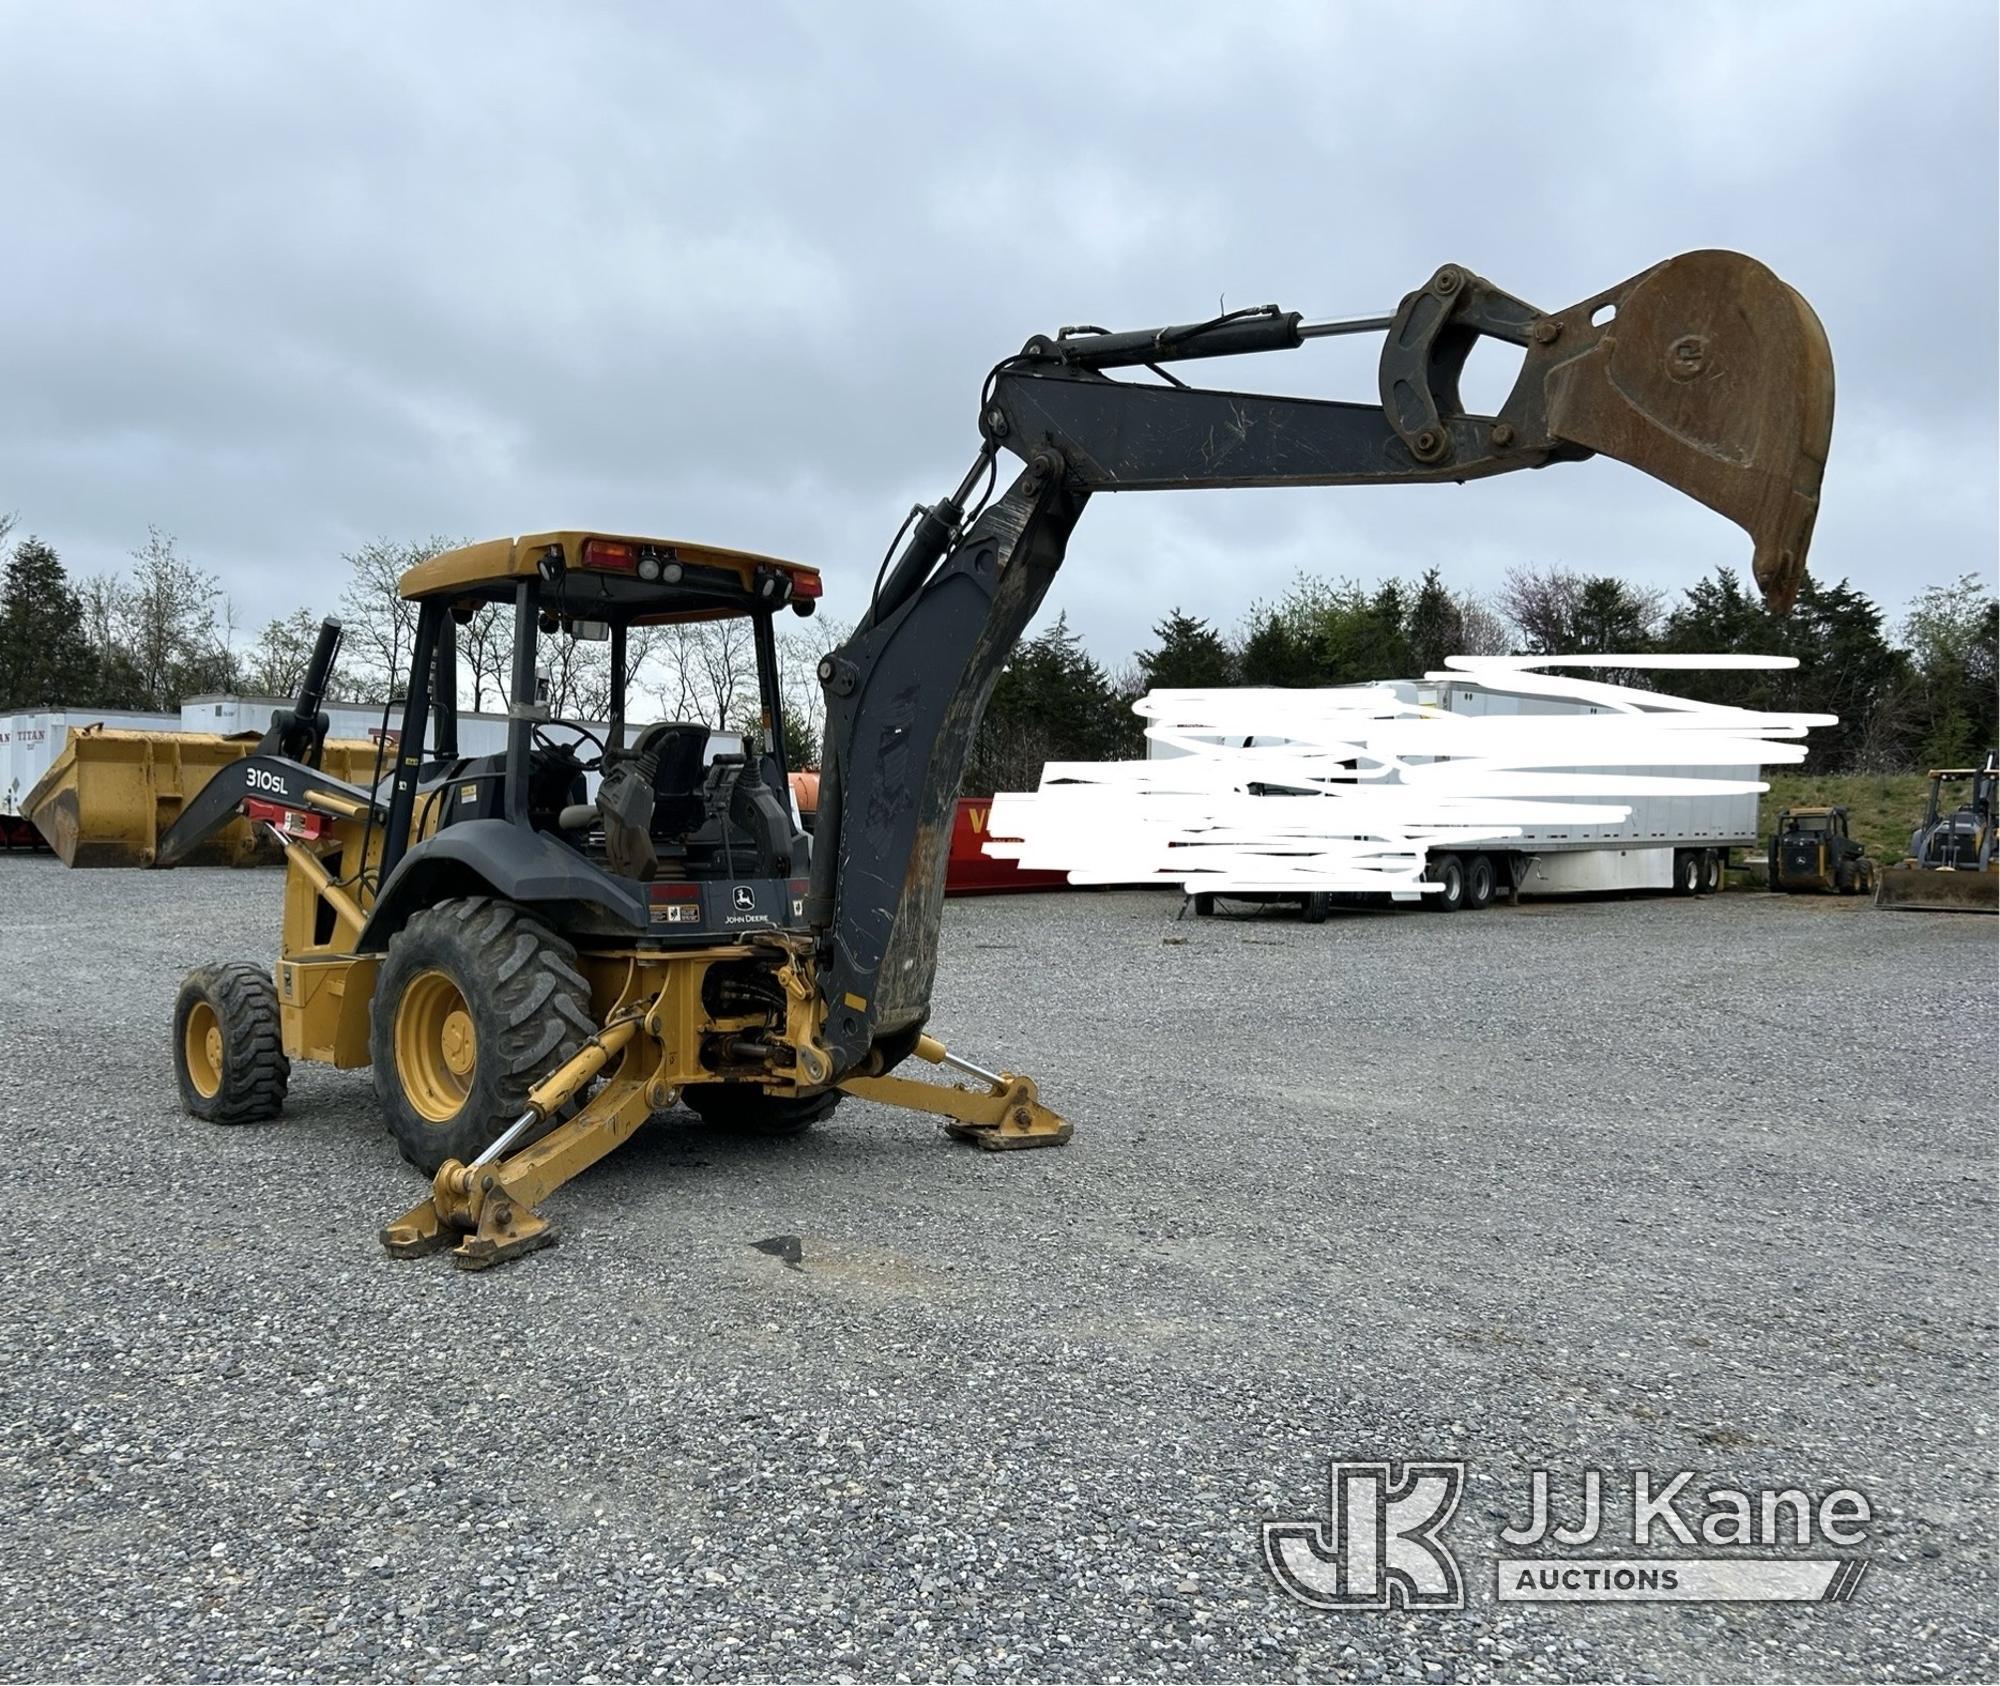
x: 1706, y: 371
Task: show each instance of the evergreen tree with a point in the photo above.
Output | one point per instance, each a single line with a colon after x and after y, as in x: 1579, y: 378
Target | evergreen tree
x: 1051, y: 703
x: 1435, y: 628
x: 1190, y: 656
x: 1361, y: 637
x: 1846, y: 667
x: 1275, y: 654
x: 45, y: 658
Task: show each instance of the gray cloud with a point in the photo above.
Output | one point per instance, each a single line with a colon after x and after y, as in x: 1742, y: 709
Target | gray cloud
x: 283, y: 278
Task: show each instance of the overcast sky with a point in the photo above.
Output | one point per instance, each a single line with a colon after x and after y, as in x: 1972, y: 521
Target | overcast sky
x: 281, y: 279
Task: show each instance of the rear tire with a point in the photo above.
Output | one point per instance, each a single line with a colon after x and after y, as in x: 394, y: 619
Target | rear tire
x: 1711, y: 872
x: 478, y: 1001
x: 1687, y: 873
x: 1204, y: 905
x: 1479, y: 881
x: 229, y: 1050
x: 1315, y: 908
x: 745, y: 1107
x: 1447, y: 871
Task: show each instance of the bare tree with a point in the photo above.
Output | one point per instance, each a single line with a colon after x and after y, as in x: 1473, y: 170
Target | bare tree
x: 1481, y: 632
x: 381, y: 625
x: 724, y: 664
x: 579, y: 673
x: 277, y: 663
x: 103, y: 600
x: 1565, y: 613
x: 670, y: 673
x: 165, y: 621
x: 485, y: 657
x: 799, y: 652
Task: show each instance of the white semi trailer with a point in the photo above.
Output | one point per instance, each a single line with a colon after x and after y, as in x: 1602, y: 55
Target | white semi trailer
x: 1677, y: 844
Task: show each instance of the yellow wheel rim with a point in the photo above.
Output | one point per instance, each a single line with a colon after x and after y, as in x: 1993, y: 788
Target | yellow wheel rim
x: 201, y: 1048
x: 436, y: 1048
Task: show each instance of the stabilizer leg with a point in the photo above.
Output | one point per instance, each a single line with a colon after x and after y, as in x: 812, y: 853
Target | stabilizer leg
x: 487, y: 1207
x: 1007, y: 1113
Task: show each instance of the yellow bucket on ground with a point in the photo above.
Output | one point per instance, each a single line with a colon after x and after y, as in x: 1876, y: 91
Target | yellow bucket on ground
x: 110, y: 795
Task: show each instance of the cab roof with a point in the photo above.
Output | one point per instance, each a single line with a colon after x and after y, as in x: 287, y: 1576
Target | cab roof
x: 492, y: 567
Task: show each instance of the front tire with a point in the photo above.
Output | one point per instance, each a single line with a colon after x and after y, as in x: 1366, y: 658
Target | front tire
x: 478, y: 1001
x: 229, y: 1051
x: 745, y: 1107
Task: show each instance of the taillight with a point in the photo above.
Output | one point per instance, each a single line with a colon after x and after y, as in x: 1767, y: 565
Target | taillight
x: 609, y: 556
x: 805, y: 585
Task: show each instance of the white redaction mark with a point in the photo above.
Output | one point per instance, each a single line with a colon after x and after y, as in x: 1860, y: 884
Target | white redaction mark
x: 1282, y: 792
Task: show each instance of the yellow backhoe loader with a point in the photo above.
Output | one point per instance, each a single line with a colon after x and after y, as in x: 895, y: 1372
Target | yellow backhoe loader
x: 1953, y: 865
x: 536, y: 951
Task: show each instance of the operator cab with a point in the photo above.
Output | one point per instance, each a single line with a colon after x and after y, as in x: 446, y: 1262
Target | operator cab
x: 690, y: 820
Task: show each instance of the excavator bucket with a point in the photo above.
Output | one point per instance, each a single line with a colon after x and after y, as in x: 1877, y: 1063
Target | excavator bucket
x: 1711, y: 374
x: 1932, y: 889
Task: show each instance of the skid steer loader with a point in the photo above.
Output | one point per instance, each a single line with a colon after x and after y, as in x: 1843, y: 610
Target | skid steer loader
x: 532, y: 968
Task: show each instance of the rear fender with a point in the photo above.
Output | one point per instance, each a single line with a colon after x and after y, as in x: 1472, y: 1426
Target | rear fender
x: 500, y: 858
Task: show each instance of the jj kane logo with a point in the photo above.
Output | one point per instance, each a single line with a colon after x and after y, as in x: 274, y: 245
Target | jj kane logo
x: 1381, y: 1543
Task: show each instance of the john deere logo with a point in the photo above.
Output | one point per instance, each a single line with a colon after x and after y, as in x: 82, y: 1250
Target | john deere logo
x: 743, y: 898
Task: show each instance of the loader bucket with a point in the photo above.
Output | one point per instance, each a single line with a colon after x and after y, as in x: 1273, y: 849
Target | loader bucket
x: 1932, y: 890
x: 1711, y: 374
x: 109, y: 795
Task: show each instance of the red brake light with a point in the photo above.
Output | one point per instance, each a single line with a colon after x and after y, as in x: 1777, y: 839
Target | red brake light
x: 610, y: 556
x: 805, y: 585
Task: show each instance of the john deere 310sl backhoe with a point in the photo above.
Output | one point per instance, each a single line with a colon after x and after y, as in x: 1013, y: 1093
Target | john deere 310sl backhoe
x: 532, y: 970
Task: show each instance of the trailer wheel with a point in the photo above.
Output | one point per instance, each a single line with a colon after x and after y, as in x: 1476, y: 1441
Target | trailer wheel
x: 745, y: 1107
x: 1315, y: 907
x: 1204, y: 905
x: 229, y: 1053
x: 1711, y: 871
x: 1447, y: 872
x: 477, y: 1002
x: 1478, y: 881
x: 1687, y: 873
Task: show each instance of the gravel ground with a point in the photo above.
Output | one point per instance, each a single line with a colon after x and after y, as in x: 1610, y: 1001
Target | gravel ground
x: 1646, y: 1184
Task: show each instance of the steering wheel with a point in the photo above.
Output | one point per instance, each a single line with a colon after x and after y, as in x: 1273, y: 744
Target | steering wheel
x: 544, y: 741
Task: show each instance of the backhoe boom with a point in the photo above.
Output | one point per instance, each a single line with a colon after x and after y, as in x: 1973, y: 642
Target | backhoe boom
x: 1706, y: 371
